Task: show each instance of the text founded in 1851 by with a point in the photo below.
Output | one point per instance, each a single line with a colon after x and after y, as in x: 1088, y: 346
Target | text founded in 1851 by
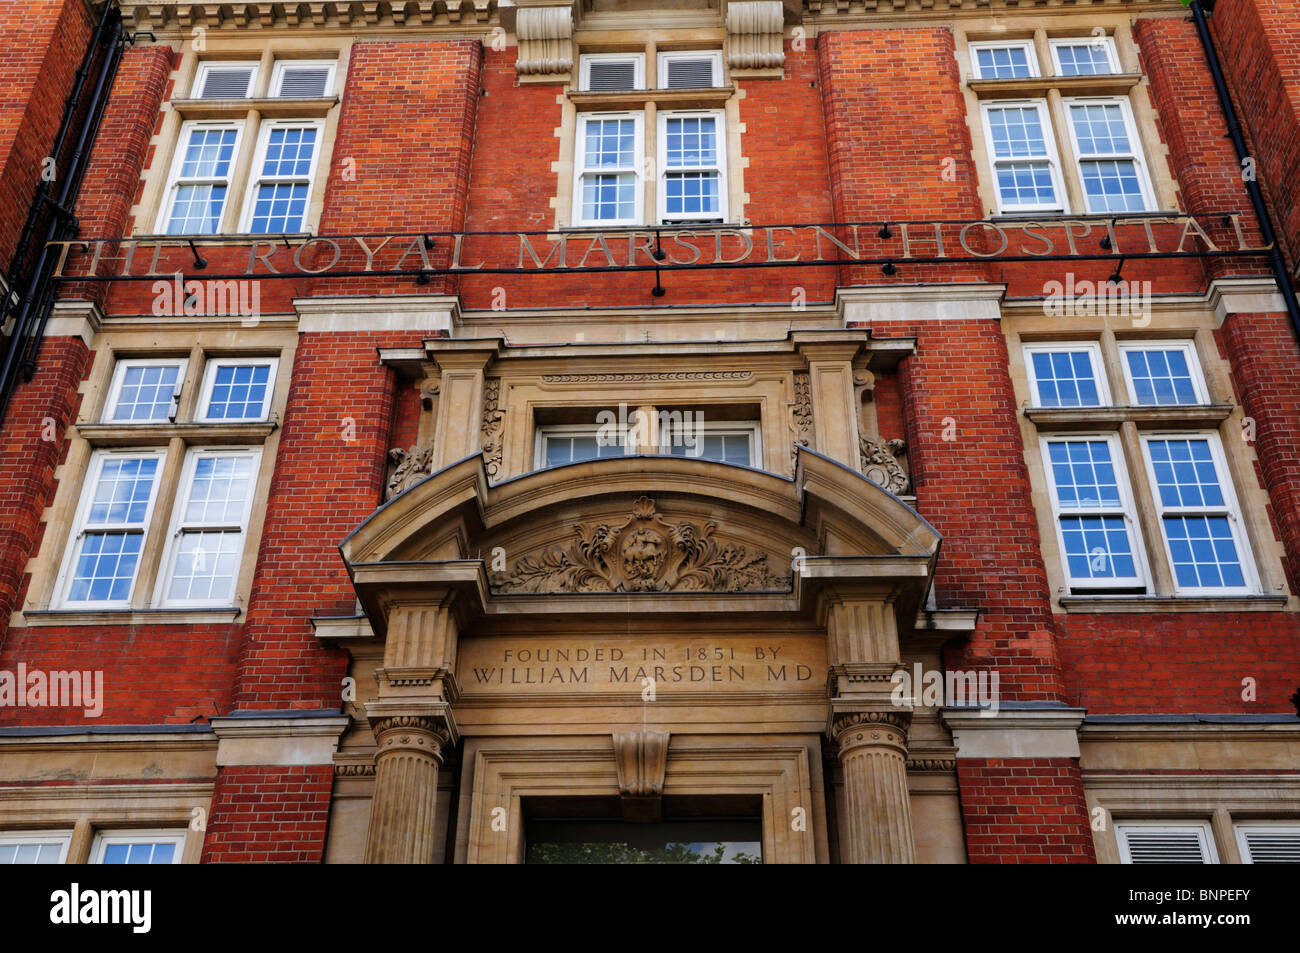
x: 495, y: 665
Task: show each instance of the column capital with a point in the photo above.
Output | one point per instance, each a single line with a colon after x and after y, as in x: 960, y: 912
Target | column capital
x: 415, y: 733
x: 857, y: 729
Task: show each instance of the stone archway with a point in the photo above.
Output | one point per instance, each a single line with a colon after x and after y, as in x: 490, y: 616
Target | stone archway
x: 791, y: 594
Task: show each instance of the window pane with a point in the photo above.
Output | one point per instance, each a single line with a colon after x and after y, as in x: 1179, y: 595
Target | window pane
x: 1161, y: 377
x: 691, y: 193
x: 206, y: 564
x: 1112, y: 185
x: 208, y: 154
x: 1100, y: 129
x: 691, y: 141
x: 35, y: 853
x: 289, y: 152
x: 1203, y: 552
x: 220, y: 491
x: 1084, y: 474
x: 1065, y: 379
x: 105, y: 567
x: 197, y: 210
x: 733, y: 448
x: 139, y: 853
x: 1083, y: 59
x: 1185, y: 473
x: 146, y: 392
x: 1002, y: 62
x: 611, y: 143
x: 239, y: 392
x: 609, y: 197
x: 1097, y: 547
x: 561, y: 450
x: 123, y: 491
x: 280, y: 207
x: 1017, y: 132
x: 1026, y: 183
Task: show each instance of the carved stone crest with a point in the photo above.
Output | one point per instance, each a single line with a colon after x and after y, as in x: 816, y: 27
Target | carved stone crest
x: 643, y: 553
x: 880, y: 463
x: 413, y: 465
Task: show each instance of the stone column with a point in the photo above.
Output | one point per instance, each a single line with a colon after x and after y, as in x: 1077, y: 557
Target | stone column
x: 876, y: 815
x: 403, y: 814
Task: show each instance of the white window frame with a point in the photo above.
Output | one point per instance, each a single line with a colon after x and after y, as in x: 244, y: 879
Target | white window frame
x: 209, y: 378
x: 1241, y: 827
x: 105, y: 839
x: 79, y: 527
x: 661, y: 154
x: 1206, y: 836
x: 277, y: 75
x: 1231, y: 509
x: 1053, y: 158
x: 1127, y: 509
x: 637, y: 170
x: 21, y: 838
x: 1193, y: 366
x: 201, y: 75
x: 750, y: 429
x: 119, y: 376
x: 1107, y: 42
x: 1135, y: 140
x: 178, y: 160
x: 547, y: 431
x: 1031, y: 56
x: 586, y: 59
x: 1091, y: 348
x: 178, y: 526
x: 714, y: 56
x: 256, y: 179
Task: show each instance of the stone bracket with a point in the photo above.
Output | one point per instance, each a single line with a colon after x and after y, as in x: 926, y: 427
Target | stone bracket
x: 755, y: 31
x: 641, y: 758
x: 545, y: 36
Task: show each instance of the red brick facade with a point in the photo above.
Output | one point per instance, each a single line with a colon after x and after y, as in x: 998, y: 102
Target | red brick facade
x: 437, y: 133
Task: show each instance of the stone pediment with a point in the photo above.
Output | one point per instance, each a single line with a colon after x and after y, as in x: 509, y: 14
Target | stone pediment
x: 646, y: 551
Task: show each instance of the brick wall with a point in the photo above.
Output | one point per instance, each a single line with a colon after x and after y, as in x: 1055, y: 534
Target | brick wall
x: 1024, y: 811
x: 269, y: 815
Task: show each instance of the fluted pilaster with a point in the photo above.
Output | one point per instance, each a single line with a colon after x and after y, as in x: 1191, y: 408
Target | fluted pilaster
x: 403, y: 812
x: 872, y: 747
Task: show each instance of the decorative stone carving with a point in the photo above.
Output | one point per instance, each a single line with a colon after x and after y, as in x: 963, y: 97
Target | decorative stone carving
x: 426, y: 14
x: 880, y: 463
x: 545, y: 37
x: 801, y: 418
x: 644, y: 553
x: 754, y: 34
x: 493, y: 445
x: 642, y: 759
x: 413, y: 465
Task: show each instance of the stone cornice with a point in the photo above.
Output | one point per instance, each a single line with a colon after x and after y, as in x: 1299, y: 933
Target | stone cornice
x: 441, y: 16
x: 856, y: 14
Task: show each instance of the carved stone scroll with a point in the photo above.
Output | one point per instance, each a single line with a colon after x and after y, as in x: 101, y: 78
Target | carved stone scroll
x: 413, y: 465
x: 493, y: 446
x: 880, y: 463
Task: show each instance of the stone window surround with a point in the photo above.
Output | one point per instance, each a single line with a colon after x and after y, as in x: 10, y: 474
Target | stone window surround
x: 650, y: 101
x: 196, y: 346
x: 1053, y: 89
x: 1025, y: 323
x: 249, y: 114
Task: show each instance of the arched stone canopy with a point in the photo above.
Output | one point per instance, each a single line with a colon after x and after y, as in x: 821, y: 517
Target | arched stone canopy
x: 646, y: 527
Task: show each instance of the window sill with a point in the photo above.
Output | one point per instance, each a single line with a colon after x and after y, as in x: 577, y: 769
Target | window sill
x: 1107, y: 84
x: 1090, y: 418
x: 663, y: 98
x: 124, y: 435
x: 1143, y: 604
x: 35, y: 618
x: 238, y: 108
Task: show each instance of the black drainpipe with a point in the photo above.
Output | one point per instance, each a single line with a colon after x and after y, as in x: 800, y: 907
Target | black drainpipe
x: 31, y: 289
x: 1199, y: 9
